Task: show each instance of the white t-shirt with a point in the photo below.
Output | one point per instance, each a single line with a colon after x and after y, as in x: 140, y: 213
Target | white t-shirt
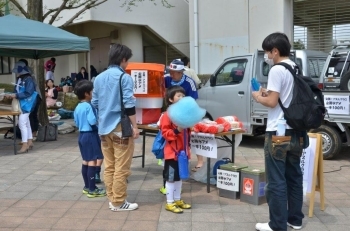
x: 49, y: 75
x: 279, y: 80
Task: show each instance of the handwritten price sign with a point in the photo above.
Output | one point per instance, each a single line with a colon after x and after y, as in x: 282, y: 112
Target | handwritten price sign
x: 204, y: 144
x: 140, y: 79
x: 337, y: 104
x: 228, y: 180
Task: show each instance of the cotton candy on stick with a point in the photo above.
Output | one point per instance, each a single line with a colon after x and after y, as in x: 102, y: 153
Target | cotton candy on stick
x: 186, y: 112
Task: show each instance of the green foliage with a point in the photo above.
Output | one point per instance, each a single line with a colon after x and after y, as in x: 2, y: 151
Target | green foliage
x: 204, y: 78
x: 70, y: 101
x: 7, y: 87
x: 298, y: 45
x: 2, y: 7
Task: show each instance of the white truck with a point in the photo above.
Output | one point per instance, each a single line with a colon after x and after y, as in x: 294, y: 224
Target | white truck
x: 335, y: 81
x: 228, y: 92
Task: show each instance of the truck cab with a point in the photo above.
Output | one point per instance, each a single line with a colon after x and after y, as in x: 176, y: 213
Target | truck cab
x: 336, y: 72
x: 228, y: 92
x: 231, y: 85
x: 311, y: 63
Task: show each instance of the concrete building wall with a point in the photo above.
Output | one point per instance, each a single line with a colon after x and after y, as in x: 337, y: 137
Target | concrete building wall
x: 170, y: 24
x: 234, y: 27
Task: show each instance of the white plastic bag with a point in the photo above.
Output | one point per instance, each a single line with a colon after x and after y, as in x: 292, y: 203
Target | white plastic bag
x: 16, y: 106
x: 65, y: 128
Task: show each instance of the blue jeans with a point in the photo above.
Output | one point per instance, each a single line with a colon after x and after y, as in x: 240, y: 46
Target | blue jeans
x: 284, y: 188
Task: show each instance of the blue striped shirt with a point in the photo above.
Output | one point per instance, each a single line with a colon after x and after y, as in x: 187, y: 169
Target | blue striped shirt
x: 189, y: 85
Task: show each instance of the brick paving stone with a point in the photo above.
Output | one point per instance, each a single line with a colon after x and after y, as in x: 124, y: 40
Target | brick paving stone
x: 105, y: 224
x: 170, y: 226
x: 42, y: 191
x: 72, y: 223
x: 39, y: 223
x: 140, y: 226
x: 11, y: 222
x: 208, y: 226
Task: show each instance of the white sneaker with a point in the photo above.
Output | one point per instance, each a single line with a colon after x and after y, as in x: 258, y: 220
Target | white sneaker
x: 294, y: 226
x: 263, y: 227
x: 126, y: 206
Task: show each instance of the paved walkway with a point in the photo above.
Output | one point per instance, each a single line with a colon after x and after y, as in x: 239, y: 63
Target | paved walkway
x: 41, y: 190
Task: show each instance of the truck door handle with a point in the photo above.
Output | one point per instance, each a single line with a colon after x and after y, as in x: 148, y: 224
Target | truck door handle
x: 241, y: 93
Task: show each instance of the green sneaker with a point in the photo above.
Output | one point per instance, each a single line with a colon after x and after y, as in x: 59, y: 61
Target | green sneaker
x: 99, y: 192
x: 85, y: 190
x: 162, y: 190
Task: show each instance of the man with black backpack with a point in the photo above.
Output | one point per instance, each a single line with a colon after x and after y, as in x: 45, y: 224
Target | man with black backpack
x: 284, y: 188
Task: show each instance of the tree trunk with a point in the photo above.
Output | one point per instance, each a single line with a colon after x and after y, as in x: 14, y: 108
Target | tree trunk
x: 43, y: 118
x: 35, y: 11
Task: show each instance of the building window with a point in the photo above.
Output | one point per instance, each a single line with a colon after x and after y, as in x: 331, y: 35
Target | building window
x: 5, y: 65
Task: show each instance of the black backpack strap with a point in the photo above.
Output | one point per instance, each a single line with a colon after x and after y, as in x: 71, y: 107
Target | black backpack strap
x: 289, y: 68
x: 292, y: 71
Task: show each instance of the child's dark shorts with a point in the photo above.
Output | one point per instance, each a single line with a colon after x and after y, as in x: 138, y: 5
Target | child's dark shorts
x: 90, y: 146
x: 171, y: 170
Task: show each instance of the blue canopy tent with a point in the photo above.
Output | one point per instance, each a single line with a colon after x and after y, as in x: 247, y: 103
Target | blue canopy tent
x: 25, y: 38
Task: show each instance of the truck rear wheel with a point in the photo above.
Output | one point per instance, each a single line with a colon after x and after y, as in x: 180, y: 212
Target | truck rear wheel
x: 345, y: 82
x: 331, y: 141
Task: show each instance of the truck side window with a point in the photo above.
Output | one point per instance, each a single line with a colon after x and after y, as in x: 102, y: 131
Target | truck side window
x: 231, y: 73
x: 315, y: 67
x: 336, y: 65
x: 265, y: 68
x: 299, y: 62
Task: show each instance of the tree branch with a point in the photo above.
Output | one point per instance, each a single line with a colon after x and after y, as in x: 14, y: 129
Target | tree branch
x: 69, y: 7
x: 133, y: 3
x: 20, y: 8
x: 53, y: 17
x: 49, y: 12
x: 93, y: 3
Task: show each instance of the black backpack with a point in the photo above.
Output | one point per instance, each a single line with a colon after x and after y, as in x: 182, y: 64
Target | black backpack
x: 306, y: 110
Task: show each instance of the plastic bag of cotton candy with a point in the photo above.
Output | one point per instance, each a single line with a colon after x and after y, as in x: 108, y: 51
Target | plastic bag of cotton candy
x: 186, y: 112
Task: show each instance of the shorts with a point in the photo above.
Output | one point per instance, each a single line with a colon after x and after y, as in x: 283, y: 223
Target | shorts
x: 90, y: 146
x: 171, y: 170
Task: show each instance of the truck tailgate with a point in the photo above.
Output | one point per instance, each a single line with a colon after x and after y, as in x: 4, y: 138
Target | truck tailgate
x: 338, y: 105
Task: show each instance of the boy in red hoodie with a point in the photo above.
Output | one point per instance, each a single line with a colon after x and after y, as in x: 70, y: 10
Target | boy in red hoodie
x: 174, y: 137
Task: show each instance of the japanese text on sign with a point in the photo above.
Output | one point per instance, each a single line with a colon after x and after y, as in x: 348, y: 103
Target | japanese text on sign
x: 228, y: 180
x: 337, y: 104
x: 307, y: 165
x: 304, y: 163
x: 140, y: 79
x: 204, y: 144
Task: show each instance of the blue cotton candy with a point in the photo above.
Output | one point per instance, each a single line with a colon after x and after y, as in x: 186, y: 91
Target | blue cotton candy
x: 186, y: 112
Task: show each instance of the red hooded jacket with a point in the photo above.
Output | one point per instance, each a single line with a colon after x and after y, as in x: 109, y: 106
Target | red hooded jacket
x: 174, y: 138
